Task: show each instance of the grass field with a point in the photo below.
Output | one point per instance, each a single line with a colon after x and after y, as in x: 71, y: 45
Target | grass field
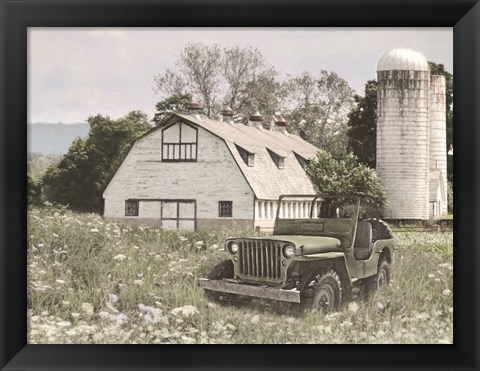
x: 93, y: 281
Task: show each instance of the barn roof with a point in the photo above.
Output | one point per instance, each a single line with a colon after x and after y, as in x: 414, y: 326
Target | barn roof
x: 266, y: 179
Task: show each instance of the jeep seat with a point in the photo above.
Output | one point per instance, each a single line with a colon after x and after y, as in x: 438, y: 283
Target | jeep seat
x: 363, y: 241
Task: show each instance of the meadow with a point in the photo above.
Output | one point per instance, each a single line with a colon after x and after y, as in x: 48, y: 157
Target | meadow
x: 93, y: 281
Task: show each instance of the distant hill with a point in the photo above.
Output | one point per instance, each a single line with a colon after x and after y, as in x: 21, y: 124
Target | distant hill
x: 54, y: 139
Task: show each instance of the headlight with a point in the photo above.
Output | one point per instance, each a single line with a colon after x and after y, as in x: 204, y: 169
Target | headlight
x: 232, y: 247
x: 288, y: 251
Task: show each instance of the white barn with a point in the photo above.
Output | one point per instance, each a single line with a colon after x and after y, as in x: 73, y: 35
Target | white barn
x: 196, y: 173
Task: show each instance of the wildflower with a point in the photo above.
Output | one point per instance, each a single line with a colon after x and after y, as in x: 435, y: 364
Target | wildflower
x: 255, y: 319
x: 187, y: 310
x: 346, y: 323
x: 87, y: 308
x: 112, y: 298
x: 380, y: 307
x: 431, y: 275
x: 55, y: 235
x: 40, y: 245
x: 61, y: 282
x: 136, y: 247
x: 94, y: 230
x: 199, y: 244
x: 103, y: 314
x: 138, y: 282
x: 119, y: 257
x: 145, y: 308
x: 75, y: 315
x: 119, y: 317
x: 446, y: 292
x: 353, y: 307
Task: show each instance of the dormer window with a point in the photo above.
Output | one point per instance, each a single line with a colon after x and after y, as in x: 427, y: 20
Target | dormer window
x: 179, y: 143
x: 247, y: 156
x: 277, y: 158
x: 302, y: 161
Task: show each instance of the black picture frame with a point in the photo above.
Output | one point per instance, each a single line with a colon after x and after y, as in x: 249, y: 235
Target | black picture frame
x: 17, y: 16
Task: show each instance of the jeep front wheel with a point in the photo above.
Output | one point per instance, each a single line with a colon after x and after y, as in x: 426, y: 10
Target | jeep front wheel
x: 321, y: 290
x: 219, y: 272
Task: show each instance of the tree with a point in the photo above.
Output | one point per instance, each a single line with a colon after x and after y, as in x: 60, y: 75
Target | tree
x: 317, y: 109
x: 79, y: 179
x: 34, y: 190
x: 176, y: 103
x: 344, y: 176
x: 362, y: 126
x: 239, y: 77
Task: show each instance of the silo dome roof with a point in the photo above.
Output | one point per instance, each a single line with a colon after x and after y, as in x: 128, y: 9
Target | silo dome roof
x: 402, y: 59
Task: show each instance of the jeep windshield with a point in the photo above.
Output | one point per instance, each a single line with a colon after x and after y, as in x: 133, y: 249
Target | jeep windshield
x: 316, y: 215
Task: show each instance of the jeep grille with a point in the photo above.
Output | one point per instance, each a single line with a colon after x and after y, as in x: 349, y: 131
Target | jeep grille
x: 260, y: 259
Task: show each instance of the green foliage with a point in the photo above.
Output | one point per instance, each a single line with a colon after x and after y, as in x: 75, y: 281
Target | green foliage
x: 362, y: 126
x: 343, y: 176
x: 79, y: 179
x: 37, y: 163
x: 34, y: 191
x: 176, y: 103
x: 450, y: 196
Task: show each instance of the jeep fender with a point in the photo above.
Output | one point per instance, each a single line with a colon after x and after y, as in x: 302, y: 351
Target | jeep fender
x: 381, y: 247
x: 332, y: 259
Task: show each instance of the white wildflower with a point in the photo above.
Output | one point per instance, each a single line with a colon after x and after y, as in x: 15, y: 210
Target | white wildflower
x: 255, y: 319
x: 112, y: 298
x: 87, y: 308
x: 431, y: 275
x: 138, y: 282
x: 353, y: 307
x: 187, y: 310
x: 145, y: 308
x: 446, y: 292
x: 119, y: 257
x: 94, y: 230
x: 55, y: 235
x: 75, y: 315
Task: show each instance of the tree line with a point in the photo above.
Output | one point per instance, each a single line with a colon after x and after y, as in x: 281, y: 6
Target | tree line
x: 320, y: 107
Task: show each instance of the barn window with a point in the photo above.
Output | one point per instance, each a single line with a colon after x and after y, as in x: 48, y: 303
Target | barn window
x: 179, y: 143
x: 131, y: 208
x: 225, y: 209
x: 247, y: 156
x: 278, y: 159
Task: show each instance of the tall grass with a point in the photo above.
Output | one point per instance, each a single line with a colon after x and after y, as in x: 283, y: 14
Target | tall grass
x: 94, y: 281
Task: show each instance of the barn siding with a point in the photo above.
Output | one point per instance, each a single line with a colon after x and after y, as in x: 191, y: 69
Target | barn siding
x: 214, y: 177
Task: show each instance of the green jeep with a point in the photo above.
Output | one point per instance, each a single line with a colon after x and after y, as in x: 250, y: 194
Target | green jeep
x: 311, y: 260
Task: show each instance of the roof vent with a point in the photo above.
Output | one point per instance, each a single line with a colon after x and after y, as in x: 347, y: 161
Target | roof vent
x: 194, y: 107
x: 256, y: 120
x: 227, y: 115
x: 281, y: 124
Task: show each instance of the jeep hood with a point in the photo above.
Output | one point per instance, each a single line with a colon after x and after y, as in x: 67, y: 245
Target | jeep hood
x: 311, y: 244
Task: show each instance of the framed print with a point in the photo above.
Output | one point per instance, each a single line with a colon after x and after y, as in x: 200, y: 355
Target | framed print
x: 198, y: 227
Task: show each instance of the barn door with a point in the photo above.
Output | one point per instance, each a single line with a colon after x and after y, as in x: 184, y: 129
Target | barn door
x: 178, y: 215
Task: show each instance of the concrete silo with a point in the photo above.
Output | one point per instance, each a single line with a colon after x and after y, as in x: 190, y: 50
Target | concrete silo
x: 438, y: 140
x: 403, y: 133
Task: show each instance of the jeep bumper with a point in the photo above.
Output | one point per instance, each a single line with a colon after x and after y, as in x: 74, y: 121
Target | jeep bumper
x: 265, y: 292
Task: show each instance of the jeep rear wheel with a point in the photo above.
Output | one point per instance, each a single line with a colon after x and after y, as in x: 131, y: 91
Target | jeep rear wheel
x: 219, y: 272
x: 382, y: 278
x: 321, y: 290
x: 383, y: 274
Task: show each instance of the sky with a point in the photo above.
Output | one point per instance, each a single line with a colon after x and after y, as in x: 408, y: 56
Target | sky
x: 74, y: 73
